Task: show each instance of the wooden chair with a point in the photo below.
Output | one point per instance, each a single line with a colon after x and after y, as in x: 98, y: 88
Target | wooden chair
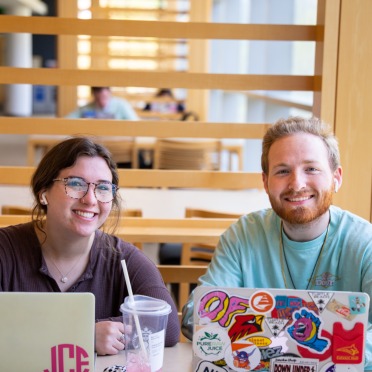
x: 191, y: 253
x: 182, y: 275
x: 123, y: 150
x: 133, y: 213
x: 187, y: 154
x: 196, y: 253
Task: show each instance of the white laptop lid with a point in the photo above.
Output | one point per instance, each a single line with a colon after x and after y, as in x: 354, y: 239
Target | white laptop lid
x: 281, y: 330
x: 47, y: 332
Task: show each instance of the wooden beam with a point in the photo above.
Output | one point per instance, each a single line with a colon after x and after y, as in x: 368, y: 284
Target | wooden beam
x: 178, y: 30
x: 159, y: 129
x: 67, y: 55
x: 155, y: 178
x: 74, y: 77
x: 326, y: 60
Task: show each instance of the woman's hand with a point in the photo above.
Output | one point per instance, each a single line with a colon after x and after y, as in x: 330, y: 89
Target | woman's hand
x: 109, y: 337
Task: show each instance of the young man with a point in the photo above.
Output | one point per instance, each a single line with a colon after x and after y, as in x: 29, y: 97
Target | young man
x: 105, y: 106
x: 303, y: 242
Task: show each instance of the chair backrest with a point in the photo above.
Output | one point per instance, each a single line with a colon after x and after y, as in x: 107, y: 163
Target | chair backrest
x: 187, y: 154
x: 183, y: 275
x: 198, y: 254
x: 203, y: 213
x: 122, y: 149
x: 132, y: 213
x: 15, y: 209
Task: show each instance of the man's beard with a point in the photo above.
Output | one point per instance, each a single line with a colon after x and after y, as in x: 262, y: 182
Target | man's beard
x: 301, y: 215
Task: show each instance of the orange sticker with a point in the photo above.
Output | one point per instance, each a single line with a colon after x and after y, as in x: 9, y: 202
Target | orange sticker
x: 262, y: 302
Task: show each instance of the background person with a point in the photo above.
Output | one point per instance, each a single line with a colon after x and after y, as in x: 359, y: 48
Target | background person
x: 303, y: 242
x: 105, y: 106
x: 165, y: 102
x: 63, y: 249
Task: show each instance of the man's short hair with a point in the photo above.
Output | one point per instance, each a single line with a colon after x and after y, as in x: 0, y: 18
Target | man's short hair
x: 295, y: 124
x: 98, y: 89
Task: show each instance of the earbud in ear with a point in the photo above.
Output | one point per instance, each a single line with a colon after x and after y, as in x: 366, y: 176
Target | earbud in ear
x: 43, y: 200
x: 336, y: 185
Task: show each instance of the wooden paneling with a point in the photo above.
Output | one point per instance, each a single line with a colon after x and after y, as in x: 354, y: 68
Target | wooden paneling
x: 2, y: 50
x: 199, y: 51
x: 67, y: 58
x: 326, y: 60
x: 353, y: 106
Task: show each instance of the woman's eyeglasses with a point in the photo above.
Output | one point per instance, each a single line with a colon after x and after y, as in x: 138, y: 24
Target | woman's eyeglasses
x: 77, y: 188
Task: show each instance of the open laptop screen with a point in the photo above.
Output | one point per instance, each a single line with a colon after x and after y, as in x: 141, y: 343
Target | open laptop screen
x: 47, y: 332
x: 241, y: 329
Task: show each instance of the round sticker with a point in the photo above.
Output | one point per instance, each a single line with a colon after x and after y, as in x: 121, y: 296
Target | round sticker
x: 242, y: 356
x: 210, y: 343
x: 262, y: 302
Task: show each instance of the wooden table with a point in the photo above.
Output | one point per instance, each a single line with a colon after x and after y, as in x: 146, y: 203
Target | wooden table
x: 172, y: 231
x: 176, y: 358
x: 158, y: 230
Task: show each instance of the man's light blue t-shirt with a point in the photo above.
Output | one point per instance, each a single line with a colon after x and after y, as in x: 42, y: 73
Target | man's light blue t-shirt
x: 248, y: 255
x: 116, y: 108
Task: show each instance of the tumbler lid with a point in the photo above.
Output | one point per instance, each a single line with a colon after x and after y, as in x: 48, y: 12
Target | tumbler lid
x: 145, y: 305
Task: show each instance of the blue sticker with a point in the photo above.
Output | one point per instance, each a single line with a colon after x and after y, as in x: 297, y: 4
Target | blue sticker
x: 357, y: 305
x: 281, y: 302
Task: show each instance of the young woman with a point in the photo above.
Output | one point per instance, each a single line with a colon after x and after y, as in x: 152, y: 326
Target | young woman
x: 66, y: 249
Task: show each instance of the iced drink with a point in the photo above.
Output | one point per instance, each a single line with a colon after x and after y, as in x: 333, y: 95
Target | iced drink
x: 145, y: 349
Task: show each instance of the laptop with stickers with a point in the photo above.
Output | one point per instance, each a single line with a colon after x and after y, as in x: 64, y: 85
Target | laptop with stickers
x: 278, y: 330
x: 47, y: 332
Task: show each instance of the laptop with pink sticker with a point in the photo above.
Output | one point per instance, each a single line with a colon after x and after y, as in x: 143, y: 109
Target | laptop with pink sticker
x: 47, y: 332
x: 279, y: 330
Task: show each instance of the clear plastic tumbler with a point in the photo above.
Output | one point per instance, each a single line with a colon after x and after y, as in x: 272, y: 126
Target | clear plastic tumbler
x: 151, y: 316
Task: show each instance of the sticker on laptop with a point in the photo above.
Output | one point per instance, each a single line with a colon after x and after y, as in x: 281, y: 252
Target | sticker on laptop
x: 210, y: 343
x: 205, y: 366
x: 321, y: 299
x: 293, y: 364
x: 262, y: 302
x: 357, y: 305
x: 242, y: 356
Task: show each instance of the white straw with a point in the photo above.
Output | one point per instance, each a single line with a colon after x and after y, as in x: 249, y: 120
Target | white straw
x: 136, y: 321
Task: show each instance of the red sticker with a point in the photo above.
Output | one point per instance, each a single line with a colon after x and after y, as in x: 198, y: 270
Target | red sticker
x: 348, y: 345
